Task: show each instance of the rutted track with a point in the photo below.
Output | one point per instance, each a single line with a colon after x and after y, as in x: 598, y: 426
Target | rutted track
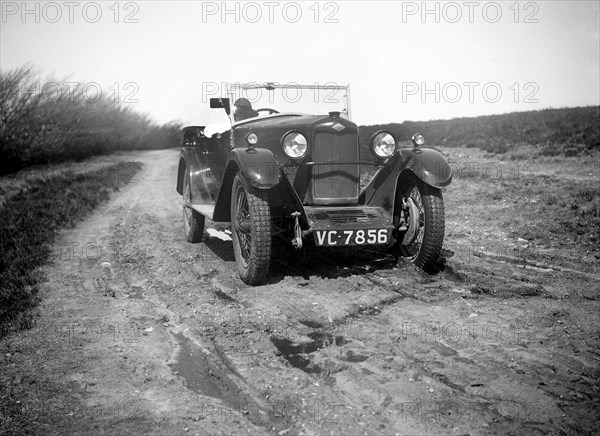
x: 341, y: 342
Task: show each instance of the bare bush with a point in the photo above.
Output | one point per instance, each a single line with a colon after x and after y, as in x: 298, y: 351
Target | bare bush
x: 53, y: 126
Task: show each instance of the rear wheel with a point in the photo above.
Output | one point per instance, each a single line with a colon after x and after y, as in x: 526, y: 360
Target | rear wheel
x: 421, y: 222
x: 251, y: 232
x: 193, y: 221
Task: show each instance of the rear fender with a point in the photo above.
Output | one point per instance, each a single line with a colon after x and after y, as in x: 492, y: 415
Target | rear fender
x: 201, y: 184
x: 180, y: 174
x: 187, y: 159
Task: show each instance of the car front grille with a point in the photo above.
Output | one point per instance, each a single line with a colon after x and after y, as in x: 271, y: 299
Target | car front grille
x: 345, y: 216
x: 333, y: 180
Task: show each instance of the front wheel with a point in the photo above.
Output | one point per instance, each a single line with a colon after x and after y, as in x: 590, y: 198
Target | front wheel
x: 420, y: 223
x: 251, y: 232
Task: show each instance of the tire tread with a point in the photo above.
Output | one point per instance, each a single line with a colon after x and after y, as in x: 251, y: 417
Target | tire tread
x: 433, y: 239
x: 260, y: 250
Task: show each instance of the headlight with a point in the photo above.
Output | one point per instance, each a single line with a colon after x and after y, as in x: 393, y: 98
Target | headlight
x: 418, y: 140
x: 382, y: 144
x: 251, y: 138
x: 294, y: 145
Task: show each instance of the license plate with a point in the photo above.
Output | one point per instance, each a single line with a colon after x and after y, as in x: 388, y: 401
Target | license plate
x: 351, y: 237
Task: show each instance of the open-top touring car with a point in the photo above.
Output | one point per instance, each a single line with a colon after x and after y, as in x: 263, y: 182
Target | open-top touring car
x: 270, y: 172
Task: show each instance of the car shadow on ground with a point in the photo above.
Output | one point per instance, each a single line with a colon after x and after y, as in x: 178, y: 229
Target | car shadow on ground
x: 222, y: 249
x: 321, y: 262
x: 324, y: 262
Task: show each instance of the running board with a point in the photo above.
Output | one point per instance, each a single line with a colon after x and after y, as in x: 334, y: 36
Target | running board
x: 205, y: 209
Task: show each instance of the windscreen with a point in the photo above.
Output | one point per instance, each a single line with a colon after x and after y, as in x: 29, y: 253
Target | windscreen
x: 305, y: 99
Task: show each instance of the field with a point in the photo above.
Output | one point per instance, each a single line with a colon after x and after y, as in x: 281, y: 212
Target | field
x: 549, y: 132
x: 138, y: 331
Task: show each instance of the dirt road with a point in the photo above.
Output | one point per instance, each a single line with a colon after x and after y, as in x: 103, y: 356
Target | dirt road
x: 142, y: 333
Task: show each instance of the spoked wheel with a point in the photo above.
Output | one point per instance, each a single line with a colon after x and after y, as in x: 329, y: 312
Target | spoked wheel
x: 193, y: 221
x: 251, y: 232
x: 420, y: 232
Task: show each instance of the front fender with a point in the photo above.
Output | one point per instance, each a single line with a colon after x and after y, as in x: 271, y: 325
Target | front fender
x: 426, y: 164
x: 258, y: 165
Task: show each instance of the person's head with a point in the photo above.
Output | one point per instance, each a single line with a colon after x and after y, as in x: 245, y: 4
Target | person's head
x: 243, y: 109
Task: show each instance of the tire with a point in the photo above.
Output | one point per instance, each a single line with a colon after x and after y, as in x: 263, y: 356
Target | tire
x: 193, y: 221
x: 251, y: 232
x: 425, y: 244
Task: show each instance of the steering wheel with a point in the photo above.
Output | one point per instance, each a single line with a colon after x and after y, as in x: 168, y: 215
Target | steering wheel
x: 267, y: 109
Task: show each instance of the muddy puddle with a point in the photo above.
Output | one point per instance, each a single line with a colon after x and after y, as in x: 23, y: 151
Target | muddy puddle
x: 223, y: 296
x: 199, y: 375
x: 204, y: 377
x: 296, y: 353
x: 366, y: 311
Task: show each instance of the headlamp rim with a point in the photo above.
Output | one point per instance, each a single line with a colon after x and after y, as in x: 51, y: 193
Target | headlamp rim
x: 282, y: 143
x: 372, y: 143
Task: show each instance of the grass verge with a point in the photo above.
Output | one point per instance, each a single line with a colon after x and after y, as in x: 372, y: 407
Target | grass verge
x: 29, y: 225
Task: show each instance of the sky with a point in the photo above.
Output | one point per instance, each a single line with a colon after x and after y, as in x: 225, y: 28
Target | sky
x: 403, y: 60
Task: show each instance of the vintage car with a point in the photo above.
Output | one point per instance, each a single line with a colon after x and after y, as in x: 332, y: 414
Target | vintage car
x: 276, y: 172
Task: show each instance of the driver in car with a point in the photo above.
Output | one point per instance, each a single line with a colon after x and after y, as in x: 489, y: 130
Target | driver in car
x: 243, y: 110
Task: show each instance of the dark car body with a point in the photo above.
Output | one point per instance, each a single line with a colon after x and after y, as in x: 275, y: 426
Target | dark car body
x: 316, y: 197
